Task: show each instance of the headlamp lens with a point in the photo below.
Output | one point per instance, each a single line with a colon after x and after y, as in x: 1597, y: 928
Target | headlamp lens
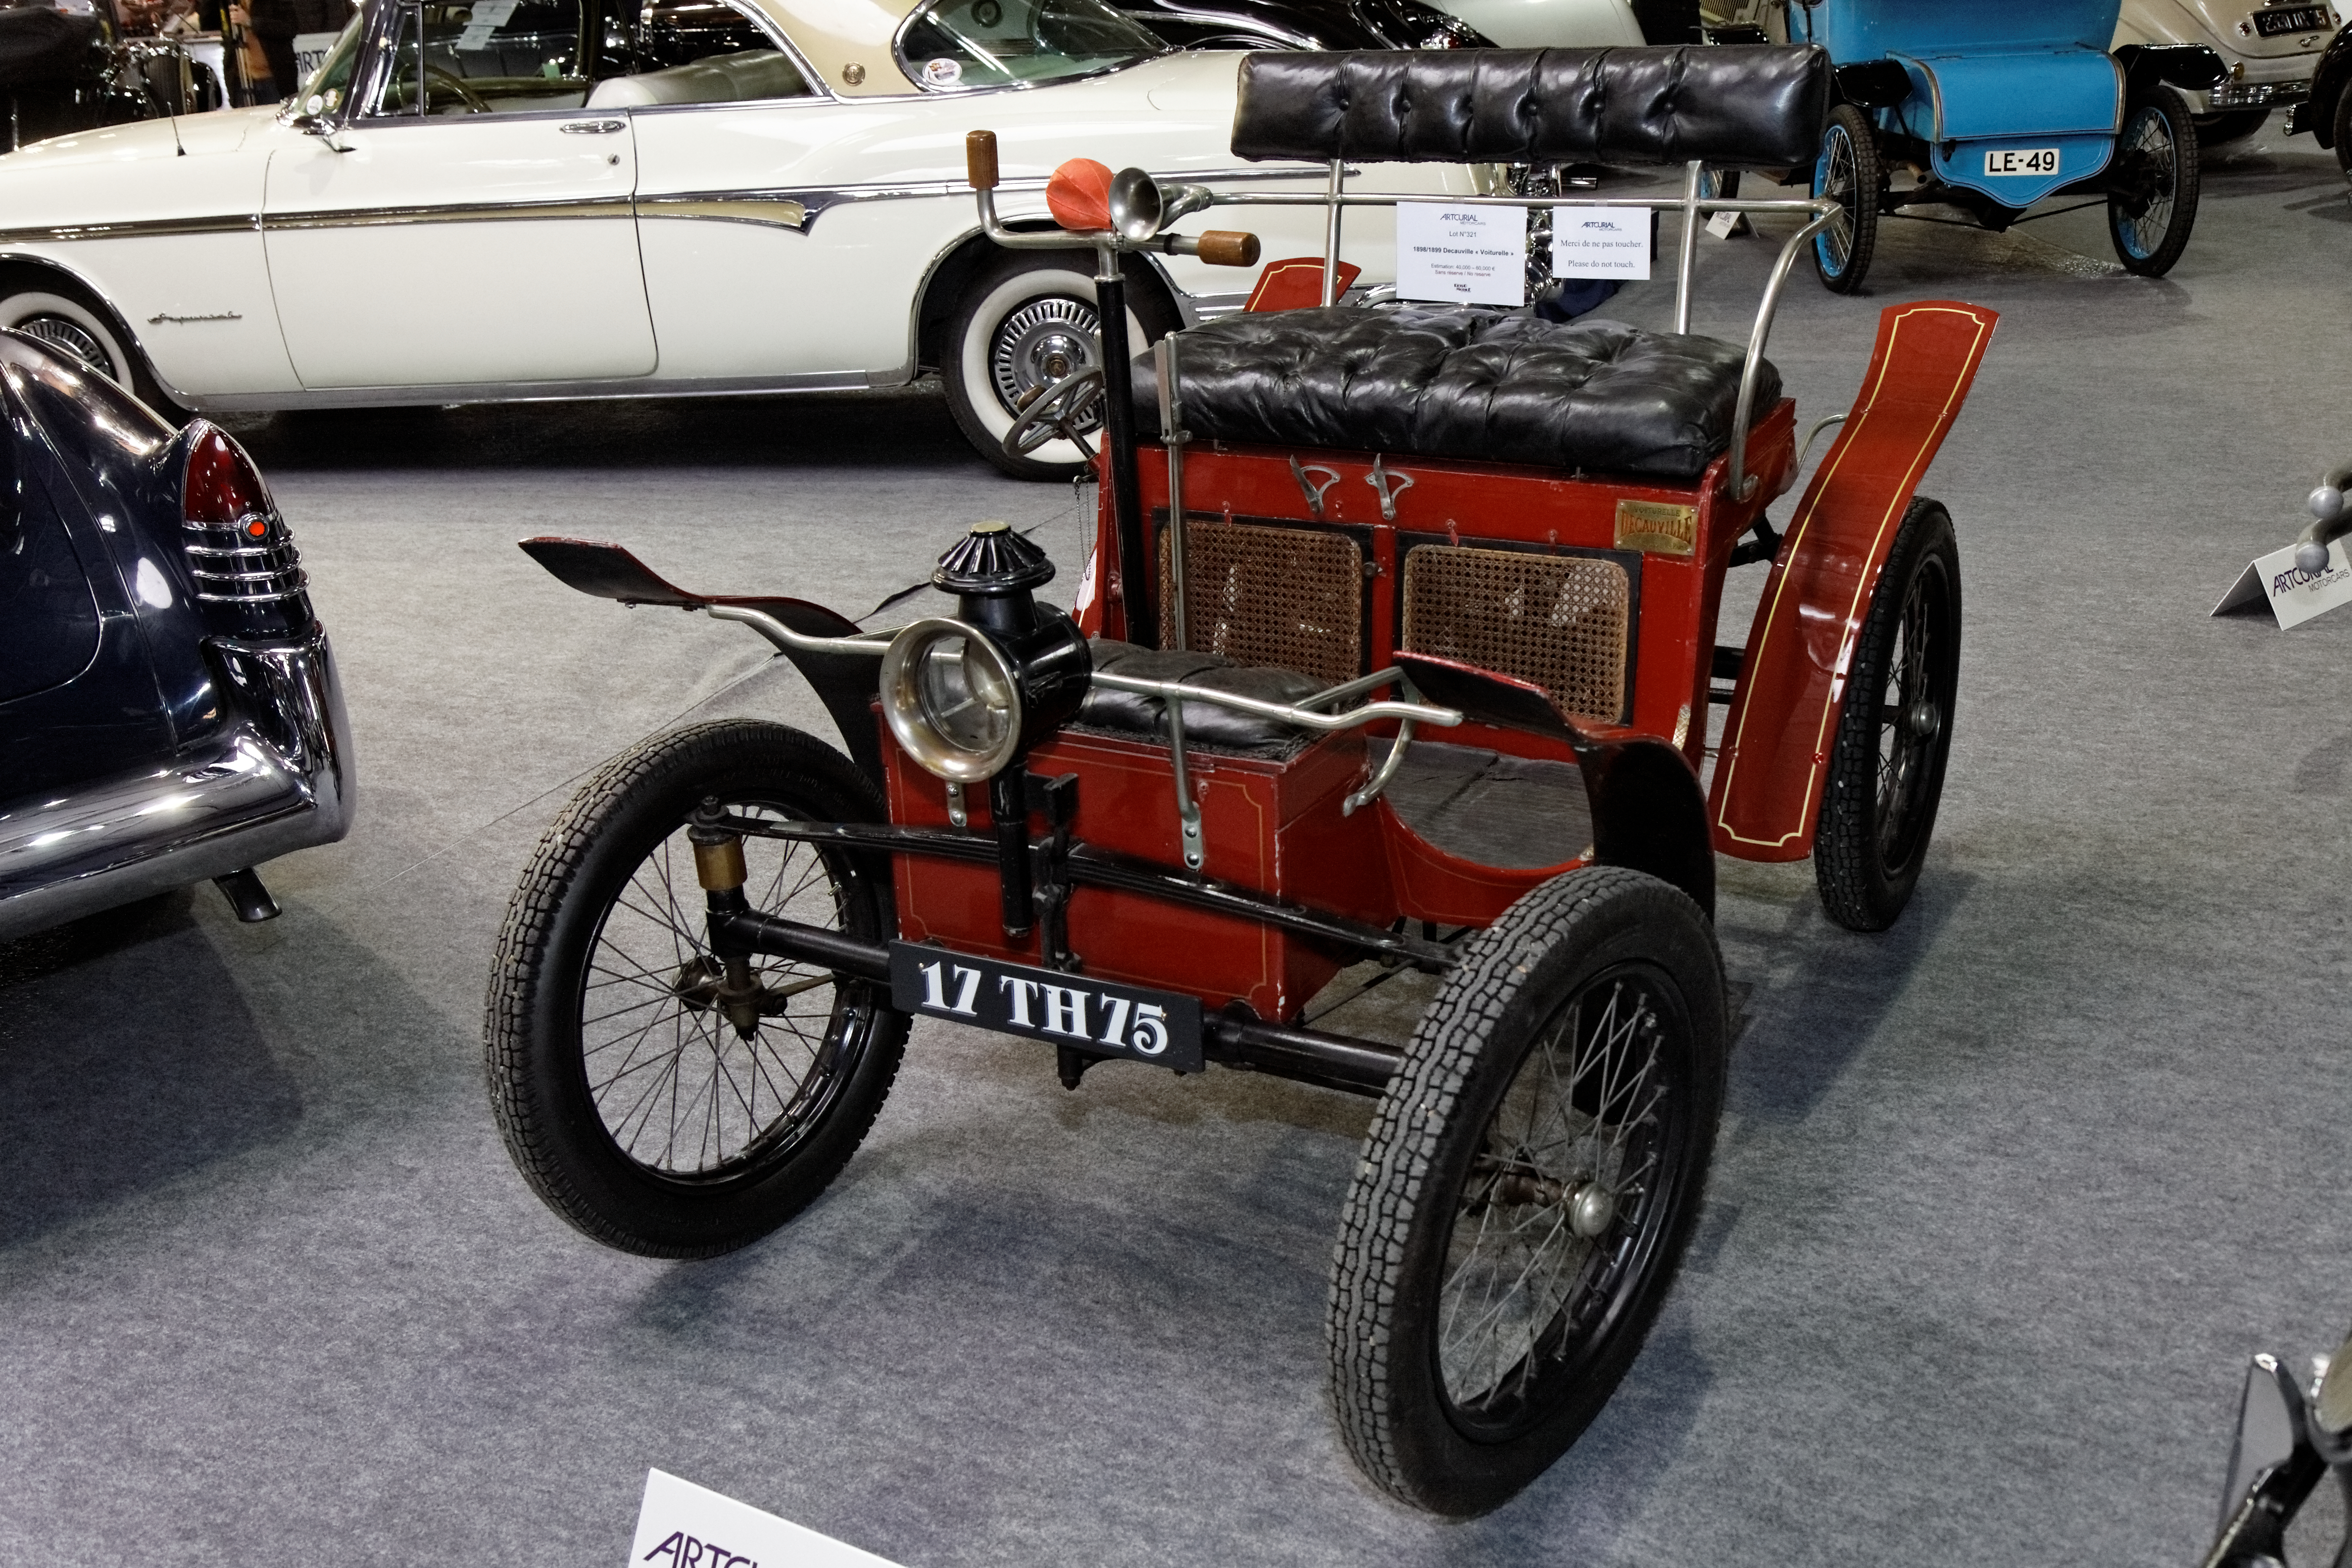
x: 964, y: 696
x: 950, y: 697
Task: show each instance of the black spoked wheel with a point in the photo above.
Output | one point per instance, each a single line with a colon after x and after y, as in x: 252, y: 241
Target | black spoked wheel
x: 1848, y: 172
x: 661, y: 1102
x: 1887, y: 765
x: 2152, y: 188
x: 1530, y: 1180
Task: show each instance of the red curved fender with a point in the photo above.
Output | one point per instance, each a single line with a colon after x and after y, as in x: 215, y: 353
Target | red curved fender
x: 1776, y: 740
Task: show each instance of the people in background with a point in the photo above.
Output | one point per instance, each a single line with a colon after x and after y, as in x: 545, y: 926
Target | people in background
x: 277, y: 23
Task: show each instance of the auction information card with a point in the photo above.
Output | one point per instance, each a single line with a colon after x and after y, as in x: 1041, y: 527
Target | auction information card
x: 1600, y: 242
x: 1471, y: 253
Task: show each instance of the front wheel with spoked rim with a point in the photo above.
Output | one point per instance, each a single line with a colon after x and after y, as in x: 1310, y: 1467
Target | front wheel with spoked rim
x: 2152, y: 182
x: 1530, y: 1181
x: 1849, y: 172
x: 662, y: 1099
x: 1885, y: 771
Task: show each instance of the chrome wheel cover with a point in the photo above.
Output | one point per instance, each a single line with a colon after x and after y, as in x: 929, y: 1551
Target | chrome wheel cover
x: 1040, y: 343
x: 69, y: 338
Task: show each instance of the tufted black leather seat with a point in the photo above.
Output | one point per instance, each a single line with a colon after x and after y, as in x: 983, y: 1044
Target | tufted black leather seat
x: 1222, y: 729
x: 1455, y: 381
x: 1753, y: 107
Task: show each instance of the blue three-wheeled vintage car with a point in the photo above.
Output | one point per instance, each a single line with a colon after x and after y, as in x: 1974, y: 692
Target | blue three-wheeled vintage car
x: 1989, y: 106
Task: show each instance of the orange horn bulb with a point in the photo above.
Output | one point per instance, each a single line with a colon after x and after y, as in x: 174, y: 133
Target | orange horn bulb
x: 1078, y: 195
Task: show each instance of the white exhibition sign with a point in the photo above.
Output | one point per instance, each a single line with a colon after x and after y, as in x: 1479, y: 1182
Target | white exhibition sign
x: 309, y: 54
x: 1601, y: 242
x: 1470, y: 253
x: 2294, y: 595
x: 681, y: 1525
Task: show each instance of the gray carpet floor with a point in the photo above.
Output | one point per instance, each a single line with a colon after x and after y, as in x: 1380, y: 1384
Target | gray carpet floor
x: 2005, y: 1197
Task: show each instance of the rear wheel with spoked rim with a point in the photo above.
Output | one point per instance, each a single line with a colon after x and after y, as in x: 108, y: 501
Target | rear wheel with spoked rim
x: 661, y: 1099
x: 1528, y: 1188
x: 2153, y: 183
x: 1893, y: 737
x: 1849, y: 172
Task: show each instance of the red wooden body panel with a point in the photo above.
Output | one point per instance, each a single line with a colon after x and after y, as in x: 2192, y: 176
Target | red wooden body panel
x: 1274, y: 826
x: 1472, y: 503
x: 1784, y: 714
x: 1432, y: 885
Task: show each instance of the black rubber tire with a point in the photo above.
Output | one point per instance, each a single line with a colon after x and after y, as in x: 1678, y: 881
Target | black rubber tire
x: 2236, y: 125
x: 1017, y: 280
x: 38, y: 303
x: 626, y: 817
x: 2150, y: 232
x: 1842, y: 252
x: 1885, y: 776
x: 2341, y: 122
x: 1397, y: 1253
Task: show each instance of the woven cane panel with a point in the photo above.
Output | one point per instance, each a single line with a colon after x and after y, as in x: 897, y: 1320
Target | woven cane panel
x: 1557, y: 620
x: 1289, y: 597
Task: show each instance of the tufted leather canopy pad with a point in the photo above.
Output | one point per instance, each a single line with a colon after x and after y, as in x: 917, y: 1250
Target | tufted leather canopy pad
x: 1460, y: 381
x: 1742, y: 106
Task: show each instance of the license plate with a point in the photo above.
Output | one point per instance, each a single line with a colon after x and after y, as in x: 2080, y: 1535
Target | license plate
x: 2021, y: 161
x: 1088, y: 1015
x: 2281, y: 20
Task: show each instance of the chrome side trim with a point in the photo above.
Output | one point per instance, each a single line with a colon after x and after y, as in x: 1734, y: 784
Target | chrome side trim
x: 539, y: 391
x: 277, y: 778
x: 138, y: 228
x: 454, y: 212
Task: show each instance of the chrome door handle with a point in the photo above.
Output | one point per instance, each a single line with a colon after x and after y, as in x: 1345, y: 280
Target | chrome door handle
x: 594, y: 127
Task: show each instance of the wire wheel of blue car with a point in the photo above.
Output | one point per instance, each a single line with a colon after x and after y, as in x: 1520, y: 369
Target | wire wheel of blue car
x: 1886, y: 773
x: 663, y: 1099
x: 1529, y: 1182
x: 1849, y: 172
x: 2152, y: 182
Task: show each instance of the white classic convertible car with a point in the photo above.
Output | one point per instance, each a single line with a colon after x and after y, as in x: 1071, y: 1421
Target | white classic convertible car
x: 519, y: 199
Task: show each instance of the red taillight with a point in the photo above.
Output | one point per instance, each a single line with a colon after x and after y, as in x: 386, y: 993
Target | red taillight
x: 249, y: 579
x: 223, y: 488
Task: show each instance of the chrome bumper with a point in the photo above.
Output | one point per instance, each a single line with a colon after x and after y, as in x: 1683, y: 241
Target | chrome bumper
x: 277, y: 778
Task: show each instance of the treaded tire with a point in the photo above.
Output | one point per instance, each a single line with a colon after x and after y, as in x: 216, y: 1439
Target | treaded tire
x: 1439, y: 1150
x: 558, y: 1127
x: 1886, y: 777
x: 2152, y: 254
x: 1849, y: 136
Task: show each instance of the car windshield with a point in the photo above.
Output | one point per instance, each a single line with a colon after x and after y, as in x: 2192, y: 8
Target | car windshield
x: 950, y: 45
x: 332, y: 79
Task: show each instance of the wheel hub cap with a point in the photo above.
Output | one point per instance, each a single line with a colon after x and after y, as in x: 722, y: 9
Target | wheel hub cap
x: 1040, y: 343
x: 1922, y: 720
x: 69, y: 338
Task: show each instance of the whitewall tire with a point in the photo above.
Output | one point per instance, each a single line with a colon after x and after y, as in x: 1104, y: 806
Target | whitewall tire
x: 1023, y: 322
